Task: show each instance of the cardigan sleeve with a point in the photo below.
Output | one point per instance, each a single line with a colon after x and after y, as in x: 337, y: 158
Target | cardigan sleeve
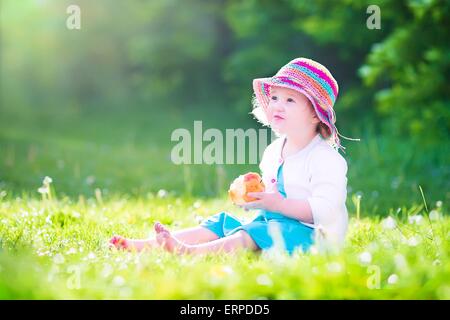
x: 328, y: 184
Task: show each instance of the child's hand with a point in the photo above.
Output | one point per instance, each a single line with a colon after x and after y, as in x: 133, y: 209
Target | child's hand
x: 266, y: 200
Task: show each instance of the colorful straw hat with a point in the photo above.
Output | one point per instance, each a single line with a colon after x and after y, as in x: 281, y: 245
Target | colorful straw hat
x: 309, y: 78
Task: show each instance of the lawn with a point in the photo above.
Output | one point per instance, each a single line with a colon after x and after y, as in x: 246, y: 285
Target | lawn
x: 58, y: 250
x: 112, y: 175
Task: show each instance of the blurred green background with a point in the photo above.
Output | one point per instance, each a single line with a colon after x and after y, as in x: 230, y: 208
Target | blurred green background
x: 95, y: 107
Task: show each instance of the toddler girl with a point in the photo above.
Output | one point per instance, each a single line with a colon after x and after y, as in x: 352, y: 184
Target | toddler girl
x: 304, y: 175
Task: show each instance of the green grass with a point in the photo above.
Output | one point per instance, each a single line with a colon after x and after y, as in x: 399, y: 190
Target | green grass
x: 57, y: 250
x: 128, y: 152
x: 125, y: 151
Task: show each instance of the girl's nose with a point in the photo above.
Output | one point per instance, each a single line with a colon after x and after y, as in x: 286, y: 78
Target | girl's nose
x: 277, y: 106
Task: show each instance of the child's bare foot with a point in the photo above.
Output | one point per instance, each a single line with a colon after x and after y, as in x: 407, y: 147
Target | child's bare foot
x: 122, y: 243
x: 168, y: 242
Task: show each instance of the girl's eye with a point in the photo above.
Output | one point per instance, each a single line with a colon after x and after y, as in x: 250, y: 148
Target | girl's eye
x: 290, y: 100
x: 274, y: 97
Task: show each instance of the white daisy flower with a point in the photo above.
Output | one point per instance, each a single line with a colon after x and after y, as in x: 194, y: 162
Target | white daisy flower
x: 393, y: 279
x: 162, y: 193
x: 264, y: 280
x: 389, y: 223
x: 365, y: 257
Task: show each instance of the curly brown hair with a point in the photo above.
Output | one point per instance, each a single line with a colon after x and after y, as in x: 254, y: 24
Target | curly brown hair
x: 323, y: 129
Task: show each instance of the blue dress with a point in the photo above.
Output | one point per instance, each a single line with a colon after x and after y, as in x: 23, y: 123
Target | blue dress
x: 267, y: 229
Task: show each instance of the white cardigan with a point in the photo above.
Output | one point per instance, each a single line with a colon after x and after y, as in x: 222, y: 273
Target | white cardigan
x: 317, y: 173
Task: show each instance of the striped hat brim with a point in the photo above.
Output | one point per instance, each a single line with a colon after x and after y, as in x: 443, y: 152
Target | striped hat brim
x: 261, y: 88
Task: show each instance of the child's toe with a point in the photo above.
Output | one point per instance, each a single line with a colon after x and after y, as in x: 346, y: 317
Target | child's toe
x: 158, y: 227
